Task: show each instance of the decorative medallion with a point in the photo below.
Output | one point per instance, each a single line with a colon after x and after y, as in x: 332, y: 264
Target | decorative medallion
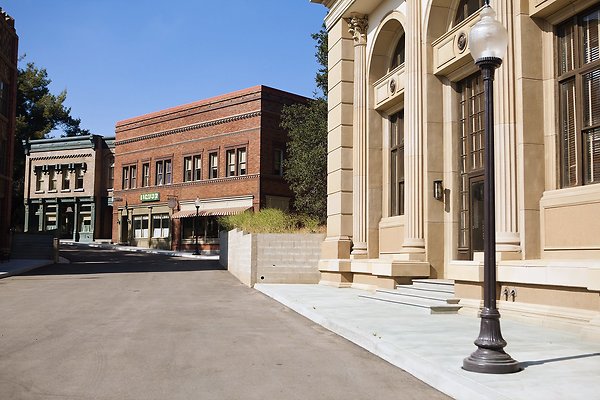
x: 393, y: 86
x: 461, y: 42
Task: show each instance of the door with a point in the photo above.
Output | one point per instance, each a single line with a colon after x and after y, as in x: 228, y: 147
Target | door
x: 124, y: 230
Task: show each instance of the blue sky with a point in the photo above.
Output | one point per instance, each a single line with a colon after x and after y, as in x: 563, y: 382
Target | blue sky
x: 123, y: 58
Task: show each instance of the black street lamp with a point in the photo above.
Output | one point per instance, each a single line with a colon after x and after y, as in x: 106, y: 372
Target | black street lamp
x: 488, y: 41
x: 197, y: 204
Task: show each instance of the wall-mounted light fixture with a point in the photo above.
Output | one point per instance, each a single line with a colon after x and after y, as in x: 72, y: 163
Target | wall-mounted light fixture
x: 438, y: 189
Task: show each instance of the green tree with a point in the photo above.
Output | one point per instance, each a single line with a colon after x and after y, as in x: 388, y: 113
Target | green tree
x: 39, y: 112
x: 306, y: 161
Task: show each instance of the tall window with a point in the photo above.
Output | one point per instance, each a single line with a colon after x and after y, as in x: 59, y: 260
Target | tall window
x: 230, y: 163
x: 579, y: 98
x: 145, y: 175
x: 399, y: 51
x: 39, y: 180
x: 397, y: 164
x: 213, y: 171
x: 52, y: 178
x: 79, y: 173
x: 125, y: 183
x: 236, y: 162
x: 140, y: 226
x: 111, y: 173
x: 187, y: 169
x: 467, y: 8
x: 197, y: 168
x: 66, y: 178
x: 471, y: 113
x: 278, y: 162
x: 133, y: 176
x: 241, y: 161
x: 164, y: 172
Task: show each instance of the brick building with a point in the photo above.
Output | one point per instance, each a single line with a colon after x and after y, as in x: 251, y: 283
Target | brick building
x: 210, y: 158
x: 68, y: 186
x: 8, y: 95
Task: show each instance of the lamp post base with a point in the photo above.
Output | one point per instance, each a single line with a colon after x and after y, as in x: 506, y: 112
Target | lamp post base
x: 490, y: 358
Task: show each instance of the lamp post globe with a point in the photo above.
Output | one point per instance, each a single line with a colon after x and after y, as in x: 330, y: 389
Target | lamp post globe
x: 488, y: 41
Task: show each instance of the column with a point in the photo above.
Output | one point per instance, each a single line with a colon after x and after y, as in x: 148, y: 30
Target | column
x: 93, y: 218
x: 414, y: 241
x: 76, y: 221
x: 507, y: 230
x: 42, y: 216
x: 358, y: 29
x: 26, y: 224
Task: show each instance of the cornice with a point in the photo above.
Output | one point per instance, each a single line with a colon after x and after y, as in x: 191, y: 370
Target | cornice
x: 189, y: 127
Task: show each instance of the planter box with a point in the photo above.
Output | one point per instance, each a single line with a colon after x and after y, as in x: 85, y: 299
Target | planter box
x: 271, y: 257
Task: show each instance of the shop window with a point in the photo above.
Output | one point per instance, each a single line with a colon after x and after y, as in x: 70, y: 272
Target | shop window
x: 213, y: 165
x: 140, y: 226
x: 208, y: 228
x: 50, y: 218
x: 145, y: 175
x: 160, y: 225
x: 187, y: 228
x: 579, y: 98
x: 397, y: 164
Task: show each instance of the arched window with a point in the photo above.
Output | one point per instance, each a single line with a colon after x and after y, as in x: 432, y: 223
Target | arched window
x: 466, y: 8
x: 398, y: 56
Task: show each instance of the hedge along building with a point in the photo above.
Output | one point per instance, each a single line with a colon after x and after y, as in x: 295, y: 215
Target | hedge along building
x: 406, y: 114
x: 225, y: 153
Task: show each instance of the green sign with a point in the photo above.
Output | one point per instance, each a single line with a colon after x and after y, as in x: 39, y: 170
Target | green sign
x: 154, y: 196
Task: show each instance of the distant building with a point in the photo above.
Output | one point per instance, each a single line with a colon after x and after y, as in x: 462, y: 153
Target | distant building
x: 225, y: 153
x: 68, y: 186
x: 8, y: 96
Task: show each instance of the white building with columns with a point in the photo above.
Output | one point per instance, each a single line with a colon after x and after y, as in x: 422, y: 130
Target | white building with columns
x: 406, y: 115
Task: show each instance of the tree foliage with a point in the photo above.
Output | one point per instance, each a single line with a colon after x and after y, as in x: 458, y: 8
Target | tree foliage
x: 305, y: 166
x: 39, y: 112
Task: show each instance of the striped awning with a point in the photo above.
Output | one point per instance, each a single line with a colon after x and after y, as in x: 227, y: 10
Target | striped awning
x: 217, y: 212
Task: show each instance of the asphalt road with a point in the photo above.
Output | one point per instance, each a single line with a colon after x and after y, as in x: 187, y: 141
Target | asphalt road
x: 116, y: 325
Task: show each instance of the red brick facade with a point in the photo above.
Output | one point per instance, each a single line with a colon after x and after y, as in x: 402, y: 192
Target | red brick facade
x: 246, y: 120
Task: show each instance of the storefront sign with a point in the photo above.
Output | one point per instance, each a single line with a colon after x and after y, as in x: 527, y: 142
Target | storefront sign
x: 154, y: 196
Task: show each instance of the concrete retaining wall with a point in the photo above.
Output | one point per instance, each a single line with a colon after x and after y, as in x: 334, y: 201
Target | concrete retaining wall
x: 271, y: 258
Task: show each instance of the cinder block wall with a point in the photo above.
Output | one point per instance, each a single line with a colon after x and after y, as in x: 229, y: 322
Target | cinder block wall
x: 272, y: 258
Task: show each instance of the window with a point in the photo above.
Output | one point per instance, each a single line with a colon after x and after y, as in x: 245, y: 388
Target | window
x: 79, y: 172
x: 133, y: 176
x: 145, y: 175
x: 471, y: 167
x: 4, y: 98
x: 39, y: 180
x: 125, y: 184
x: 140, y: 226
x: 230, y: 163
x: 214, y: 165
x: 52, y: 178
x: 197, y: 168
x: 85, y: 218
x: 278, y: 162
x: 50, y: 218
x: 208, y: 228
x: 397, y: 164
x: 66, y: 178
x: 160, y: 225
x: 111, y: 174
x: 236, y: 162
x: 579, y: 98
x: 187, y: 169
x: 241, y: 161
x: 164, y: 172
x: 466, y: 8
x: 399, y: 51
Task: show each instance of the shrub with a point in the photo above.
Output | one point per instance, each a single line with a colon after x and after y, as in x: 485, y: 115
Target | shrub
x: 271, y: 220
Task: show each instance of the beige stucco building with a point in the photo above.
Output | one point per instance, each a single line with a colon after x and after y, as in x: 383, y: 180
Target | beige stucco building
x: 406, y: 111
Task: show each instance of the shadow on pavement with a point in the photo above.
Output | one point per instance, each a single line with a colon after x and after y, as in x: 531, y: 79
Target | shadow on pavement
x: 103, y: 261
x: 526, y: 364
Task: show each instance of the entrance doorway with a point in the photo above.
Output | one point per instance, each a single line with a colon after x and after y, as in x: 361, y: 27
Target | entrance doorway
x: 124, y: 229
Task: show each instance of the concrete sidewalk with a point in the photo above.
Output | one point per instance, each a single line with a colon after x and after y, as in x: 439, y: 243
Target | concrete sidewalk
x: 20, y: 266
x: 135, y: 249
x: 556, y: 364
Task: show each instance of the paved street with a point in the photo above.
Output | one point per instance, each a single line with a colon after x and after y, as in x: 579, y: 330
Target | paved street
x: 116, y: 325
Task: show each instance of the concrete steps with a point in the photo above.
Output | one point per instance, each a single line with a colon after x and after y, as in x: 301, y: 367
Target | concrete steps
x: 436, y: 295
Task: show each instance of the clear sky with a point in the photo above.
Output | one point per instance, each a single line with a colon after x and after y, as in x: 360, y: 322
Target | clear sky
x: 122, y: 58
